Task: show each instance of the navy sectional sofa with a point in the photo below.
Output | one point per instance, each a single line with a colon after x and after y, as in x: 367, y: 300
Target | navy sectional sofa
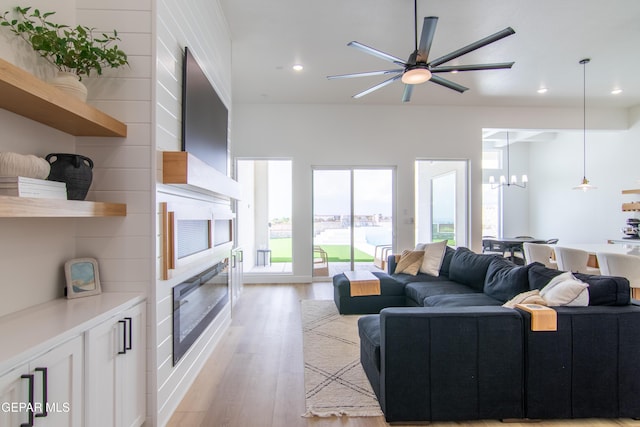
x: 444, y: 349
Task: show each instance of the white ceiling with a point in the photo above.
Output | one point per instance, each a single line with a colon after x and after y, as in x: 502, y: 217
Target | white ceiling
x: 268, y: 37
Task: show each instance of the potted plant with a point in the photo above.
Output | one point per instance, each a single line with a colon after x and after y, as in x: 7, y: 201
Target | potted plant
x: 74, y: 51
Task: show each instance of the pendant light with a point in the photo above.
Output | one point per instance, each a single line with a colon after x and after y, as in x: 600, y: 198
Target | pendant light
x: 506, y: 181
x: 584, y: 186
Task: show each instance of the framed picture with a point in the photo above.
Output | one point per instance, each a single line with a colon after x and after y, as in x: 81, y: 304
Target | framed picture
x: 82, y: 277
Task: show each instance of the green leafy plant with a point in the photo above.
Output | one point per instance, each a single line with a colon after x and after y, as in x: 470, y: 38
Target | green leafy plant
x: 75, y: 50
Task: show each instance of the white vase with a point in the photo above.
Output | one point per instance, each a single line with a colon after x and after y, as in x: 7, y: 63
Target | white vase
x: 71, y: 84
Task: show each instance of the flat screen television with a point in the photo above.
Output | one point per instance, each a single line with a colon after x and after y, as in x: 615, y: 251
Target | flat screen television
x: 205, y: 118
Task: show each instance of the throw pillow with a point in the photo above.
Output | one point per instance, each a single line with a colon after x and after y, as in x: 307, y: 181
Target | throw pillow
x: 504, y: 280
x: 529, y: 297
x: 410, y: 262
x: 469, y: 268
x: 539, y: 275
x: 565, y: 289
x: 433, y: 255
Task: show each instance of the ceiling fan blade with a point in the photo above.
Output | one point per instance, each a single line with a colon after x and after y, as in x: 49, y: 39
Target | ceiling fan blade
x: 473, y: 46
x: 406, y: 96
x: 378, y: 86
x: 476, y: 67
x: 366, y: 74
x: 428, y: 31
x: 448, y: 84
x: 376, y: 52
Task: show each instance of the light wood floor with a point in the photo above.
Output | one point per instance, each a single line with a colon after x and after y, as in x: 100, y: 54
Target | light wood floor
x: 255, y: 377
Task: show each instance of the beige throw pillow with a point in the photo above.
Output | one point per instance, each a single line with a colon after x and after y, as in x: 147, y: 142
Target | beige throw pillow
x: 410, y: 262
x: 529, y: 297
x: 433, y: 256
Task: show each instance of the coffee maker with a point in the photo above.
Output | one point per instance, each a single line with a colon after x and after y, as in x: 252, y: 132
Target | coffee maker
x: 631, y: 229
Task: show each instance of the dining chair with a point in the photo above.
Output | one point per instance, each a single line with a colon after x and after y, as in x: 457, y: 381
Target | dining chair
x: 491, y: 247
x: 539, y: 252
x: 622, y: 265
x: 574, y: 260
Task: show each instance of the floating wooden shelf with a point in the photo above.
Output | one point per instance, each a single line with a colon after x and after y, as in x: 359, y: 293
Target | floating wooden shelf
x: 185, y: 169
x: 26, y: 95
x: 26, y: 207
x: 630, y: 191
x: 633, y: 206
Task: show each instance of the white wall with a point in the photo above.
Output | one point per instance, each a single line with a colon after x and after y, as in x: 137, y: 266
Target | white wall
x: 313, y: 135
x: 572, y: 215
x: 199, y: 25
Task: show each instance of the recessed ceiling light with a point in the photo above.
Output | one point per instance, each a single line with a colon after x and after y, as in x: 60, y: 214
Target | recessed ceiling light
x: 297, y: 67
x: 542, y: 90
x: 616, y: 91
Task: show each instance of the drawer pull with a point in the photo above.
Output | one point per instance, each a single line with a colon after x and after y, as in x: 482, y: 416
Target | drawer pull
x: 45, y: 388
x: 30, y: 379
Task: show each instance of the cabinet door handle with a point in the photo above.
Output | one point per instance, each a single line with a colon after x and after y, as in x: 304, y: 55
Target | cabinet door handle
x: 45, y: 388
x: 124, y: 337
x: 233, y: 261
x: 240, y: 256
x: 129, y: 342
x: 29, y: 378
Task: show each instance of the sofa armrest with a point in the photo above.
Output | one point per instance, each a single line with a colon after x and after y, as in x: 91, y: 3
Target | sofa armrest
x: 451, y: 363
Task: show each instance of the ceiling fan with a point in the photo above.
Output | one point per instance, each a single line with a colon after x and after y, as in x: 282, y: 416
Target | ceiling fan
x: 418, y: 68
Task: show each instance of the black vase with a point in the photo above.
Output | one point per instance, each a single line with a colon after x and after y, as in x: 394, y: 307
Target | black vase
x: 74, y: 170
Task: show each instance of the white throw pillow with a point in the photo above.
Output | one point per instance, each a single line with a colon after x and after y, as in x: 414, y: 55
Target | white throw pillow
x: 433, y: 256
x: 565, y: 289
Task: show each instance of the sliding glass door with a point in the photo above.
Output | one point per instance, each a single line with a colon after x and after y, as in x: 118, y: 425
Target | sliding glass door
x: 352, y: 218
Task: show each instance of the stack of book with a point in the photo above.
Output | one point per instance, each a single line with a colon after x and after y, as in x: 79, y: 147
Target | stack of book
x: 20, y: 186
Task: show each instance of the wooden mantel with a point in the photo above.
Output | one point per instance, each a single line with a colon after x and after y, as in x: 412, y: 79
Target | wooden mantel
x: 185, y: 169
x: 23, y: 93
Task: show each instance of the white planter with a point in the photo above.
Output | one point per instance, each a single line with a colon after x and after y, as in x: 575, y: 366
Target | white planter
x: 71, y: 84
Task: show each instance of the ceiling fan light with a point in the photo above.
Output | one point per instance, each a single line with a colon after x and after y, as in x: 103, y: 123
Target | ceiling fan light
x: 416, y: 76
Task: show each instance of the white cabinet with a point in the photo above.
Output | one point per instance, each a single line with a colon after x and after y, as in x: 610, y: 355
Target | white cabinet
x: 237, y: 279
x: 46, y: 391
x: 115, y: 370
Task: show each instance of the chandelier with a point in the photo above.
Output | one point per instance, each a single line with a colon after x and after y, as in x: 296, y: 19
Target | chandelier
x: 505, y: 181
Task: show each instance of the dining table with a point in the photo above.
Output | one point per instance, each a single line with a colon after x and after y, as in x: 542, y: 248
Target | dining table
x: 510, y: 244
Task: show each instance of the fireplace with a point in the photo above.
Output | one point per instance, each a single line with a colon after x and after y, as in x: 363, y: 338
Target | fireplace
x: 196, y: 302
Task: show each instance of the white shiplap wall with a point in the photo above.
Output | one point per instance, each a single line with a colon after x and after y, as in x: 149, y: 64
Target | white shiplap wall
x: 199, y: 25
x: 124, y: 167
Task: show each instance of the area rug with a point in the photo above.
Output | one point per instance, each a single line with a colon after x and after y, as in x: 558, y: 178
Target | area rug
x: 334, y: 381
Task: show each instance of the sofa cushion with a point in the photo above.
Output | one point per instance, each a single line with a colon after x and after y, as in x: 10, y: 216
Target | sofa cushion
x: 565, y: 289
x: 446, y: 261
x: 606, y: 290
x: 409, y: 262
x: 603, y: 290
x: 369, y: 331
x: 418, y: 291
x: 433, y: 255
x: 469, y: 268
x: 425, y: 278
x: 504, y: 279
x: 461, y: 300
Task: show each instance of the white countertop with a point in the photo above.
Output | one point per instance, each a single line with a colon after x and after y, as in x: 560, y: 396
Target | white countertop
x: 37, y: 329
